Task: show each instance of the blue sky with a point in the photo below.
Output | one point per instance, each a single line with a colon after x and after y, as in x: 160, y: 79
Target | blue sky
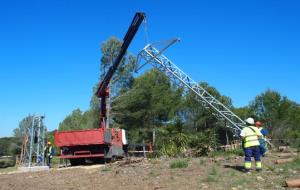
x: 50, y: 50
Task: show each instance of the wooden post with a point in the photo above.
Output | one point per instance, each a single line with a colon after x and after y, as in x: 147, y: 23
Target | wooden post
x: 282, y: 161
x: 153, y: 137
x: 293, y: 183
x: 144, y: 149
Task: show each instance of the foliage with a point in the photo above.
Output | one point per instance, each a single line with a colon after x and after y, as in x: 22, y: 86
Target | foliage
x: 79, y: 120
x: 172, y: 141
x: 150, y: 103
x: 183, y: 163
x: 106, y: 169
x: 280, y: 115
x: 204, y: 142
x: 195, y: 113
x: 8, y: 146
x: 7, y: 162
x: 237, y: 152
x: 12, y: 146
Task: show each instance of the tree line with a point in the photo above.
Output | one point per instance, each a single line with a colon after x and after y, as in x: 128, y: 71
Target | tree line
x: 151, y: 103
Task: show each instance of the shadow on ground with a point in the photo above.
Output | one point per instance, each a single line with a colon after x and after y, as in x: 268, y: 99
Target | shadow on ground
x: 237, y: 168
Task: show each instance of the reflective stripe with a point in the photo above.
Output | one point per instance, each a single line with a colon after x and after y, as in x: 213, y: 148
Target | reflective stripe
x: 247, y: 165
x: 258, y: 165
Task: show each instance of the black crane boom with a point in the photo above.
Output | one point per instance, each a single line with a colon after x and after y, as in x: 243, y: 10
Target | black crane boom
x: 134, y: 26
x: 102, y: 91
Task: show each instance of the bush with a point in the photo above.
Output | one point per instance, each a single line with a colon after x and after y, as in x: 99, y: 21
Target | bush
x: 179, y: 164
x: 172, y: 141
x: 293, y: 138
x: 204, y: 142
x: 237, y: 152
x: 7, y: 162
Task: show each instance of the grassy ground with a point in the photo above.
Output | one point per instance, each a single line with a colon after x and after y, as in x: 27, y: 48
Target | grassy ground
x: 8, y: 169
x: 220, y: 171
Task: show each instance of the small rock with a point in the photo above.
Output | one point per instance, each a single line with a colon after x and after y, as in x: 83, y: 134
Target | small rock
x: 234, y: 188
x: 204, y: 186
x: 218, y: 159
x: 259, y: 178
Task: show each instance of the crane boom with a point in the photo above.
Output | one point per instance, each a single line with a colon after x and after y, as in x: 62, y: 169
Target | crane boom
x: 102, y: 91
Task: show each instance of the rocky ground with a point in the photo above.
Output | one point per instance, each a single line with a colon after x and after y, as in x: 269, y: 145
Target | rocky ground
x: 221, y: 172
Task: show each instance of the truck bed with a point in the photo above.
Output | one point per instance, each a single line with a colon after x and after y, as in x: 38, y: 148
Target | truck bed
x: 79, y: 137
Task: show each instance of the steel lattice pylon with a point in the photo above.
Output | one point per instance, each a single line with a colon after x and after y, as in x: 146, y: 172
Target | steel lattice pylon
x: 155, y: 57
x: 33, y: 146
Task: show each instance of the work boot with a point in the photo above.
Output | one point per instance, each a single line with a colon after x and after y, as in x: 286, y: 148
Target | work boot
x: 246, y: 170
x: 258, y: 169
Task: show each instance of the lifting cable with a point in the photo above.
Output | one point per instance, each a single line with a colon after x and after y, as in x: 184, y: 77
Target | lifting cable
x: 146, y: 30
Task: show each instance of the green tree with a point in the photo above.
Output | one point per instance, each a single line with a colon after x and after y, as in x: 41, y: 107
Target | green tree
x: 280, y: 115
x: 243, y: 112
x: 198, y: 116
x: 123, y: 77
x: 8, y: 146
x: 72, y: 121
x: 151, y: 103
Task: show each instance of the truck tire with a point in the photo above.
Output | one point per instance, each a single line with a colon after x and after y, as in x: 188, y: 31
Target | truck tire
x: 77, y: 161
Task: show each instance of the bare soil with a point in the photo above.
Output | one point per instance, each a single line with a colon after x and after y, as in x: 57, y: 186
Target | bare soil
x: 154, y: 174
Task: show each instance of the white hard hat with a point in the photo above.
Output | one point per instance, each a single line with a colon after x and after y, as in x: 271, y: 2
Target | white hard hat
x: 250, y: 121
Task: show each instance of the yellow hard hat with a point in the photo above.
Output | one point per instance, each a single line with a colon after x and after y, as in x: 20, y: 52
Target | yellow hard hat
x: 49, y: 143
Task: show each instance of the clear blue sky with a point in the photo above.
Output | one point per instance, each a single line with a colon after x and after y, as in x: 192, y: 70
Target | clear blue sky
x: 50, y: 50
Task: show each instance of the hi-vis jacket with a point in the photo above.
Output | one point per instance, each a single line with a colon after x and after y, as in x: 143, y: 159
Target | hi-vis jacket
x: 250, y: 135
x: 49, y: 151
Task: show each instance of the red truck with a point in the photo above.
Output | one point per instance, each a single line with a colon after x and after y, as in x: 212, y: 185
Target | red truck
x: 104, y: 142
x: 93, y: 144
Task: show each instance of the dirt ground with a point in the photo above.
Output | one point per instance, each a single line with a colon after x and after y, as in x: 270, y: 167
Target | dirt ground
x: 136, y: 173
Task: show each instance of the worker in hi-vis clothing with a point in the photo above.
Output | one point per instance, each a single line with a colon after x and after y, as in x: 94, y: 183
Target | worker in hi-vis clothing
x: 262, y: 140
x: 250, y: 136
x: 49, y: 153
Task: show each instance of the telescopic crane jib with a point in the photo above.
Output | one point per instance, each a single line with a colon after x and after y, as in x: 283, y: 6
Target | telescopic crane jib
x: 103, y: 91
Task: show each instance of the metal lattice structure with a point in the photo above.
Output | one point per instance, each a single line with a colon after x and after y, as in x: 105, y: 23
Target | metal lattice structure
x: 155, y: 57
x: 33, y: 146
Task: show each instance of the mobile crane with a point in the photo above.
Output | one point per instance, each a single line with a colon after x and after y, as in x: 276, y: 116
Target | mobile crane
x: 104, y: 142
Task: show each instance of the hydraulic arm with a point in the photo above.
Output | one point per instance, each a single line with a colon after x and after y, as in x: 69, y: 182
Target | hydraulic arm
x: 103, y: 91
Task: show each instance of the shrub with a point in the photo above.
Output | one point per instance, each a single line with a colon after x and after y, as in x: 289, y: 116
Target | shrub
x: 204, y: 142
x: 237, y: 152
x: 179, y: 164
x: 7, y: 162
x: 172, y: 141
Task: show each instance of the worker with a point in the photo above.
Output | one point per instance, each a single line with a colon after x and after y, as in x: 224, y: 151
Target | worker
x: 262, y: 140
x: 49, y: 153
x: 250, y: 136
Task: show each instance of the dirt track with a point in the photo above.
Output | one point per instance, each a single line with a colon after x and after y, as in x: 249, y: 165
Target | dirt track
x: 202, y: 173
